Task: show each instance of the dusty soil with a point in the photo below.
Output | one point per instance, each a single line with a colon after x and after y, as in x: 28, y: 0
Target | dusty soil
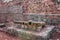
x: 4, y: 36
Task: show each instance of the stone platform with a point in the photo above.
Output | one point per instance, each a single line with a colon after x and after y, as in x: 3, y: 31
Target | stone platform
x: 44, y: 34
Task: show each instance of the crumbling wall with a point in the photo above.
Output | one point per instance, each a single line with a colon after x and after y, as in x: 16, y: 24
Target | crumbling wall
x: 41, y: 6
x: 2, y: 17
x: 31, y: 6
x: 28, y: 6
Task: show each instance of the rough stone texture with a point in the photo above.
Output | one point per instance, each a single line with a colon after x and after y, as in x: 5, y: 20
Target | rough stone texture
x: 3, y: 9
x: 15, y: 9
x: 11, y: 7
x: 29, y: 6
x: 4, y: 36
x: 33, y: 6
x: 22, y: 17
x: 31, y: 35
x: 41, y: 6
x: 2, y: 17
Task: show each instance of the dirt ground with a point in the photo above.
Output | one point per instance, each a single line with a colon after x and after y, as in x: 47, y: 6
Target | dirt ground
x: 4, y: 36
x: 56, y: 36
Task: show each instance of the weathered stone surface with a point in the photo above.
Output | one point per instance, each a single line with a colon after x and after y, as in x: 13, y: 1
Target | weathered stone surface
x: 15, y: 9
x: 4, y: 9
x: 26, y: 34
x: 34, y: 6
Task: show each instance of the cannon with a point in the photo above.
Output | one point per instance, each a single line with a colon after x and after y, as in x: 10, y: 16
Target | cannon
x: 31, y: 25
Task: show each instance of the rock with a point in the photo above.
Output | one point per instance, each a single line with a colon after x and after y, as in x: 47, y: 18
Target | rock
x: 15, y: 9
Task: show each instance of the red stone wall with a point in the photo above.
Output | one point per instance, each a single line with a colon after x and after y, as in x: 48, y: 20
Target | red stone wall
x: 31, y: 6
x: 28, y: 6
x: 2, y: 17
x: 12, y: 17
x: 41, y: 6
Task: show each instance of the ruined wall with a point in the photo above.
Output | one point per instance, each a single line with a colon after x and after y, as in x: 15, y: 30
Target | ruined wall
x: 2, y: 17
x: 41, y: 6
x: 28, y: 6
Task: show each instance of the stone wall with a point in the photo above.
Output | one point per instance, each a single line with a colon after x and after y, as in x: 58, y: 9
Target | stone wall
x: 2, y: 17
x: 30, y: 6
x: 12, y: 17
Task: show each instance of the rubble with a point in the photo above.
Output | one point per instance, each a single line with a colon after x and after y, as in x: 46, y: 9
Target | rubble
x: 13, y: 11
x: 33, y: 6
x: 46, y: 6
